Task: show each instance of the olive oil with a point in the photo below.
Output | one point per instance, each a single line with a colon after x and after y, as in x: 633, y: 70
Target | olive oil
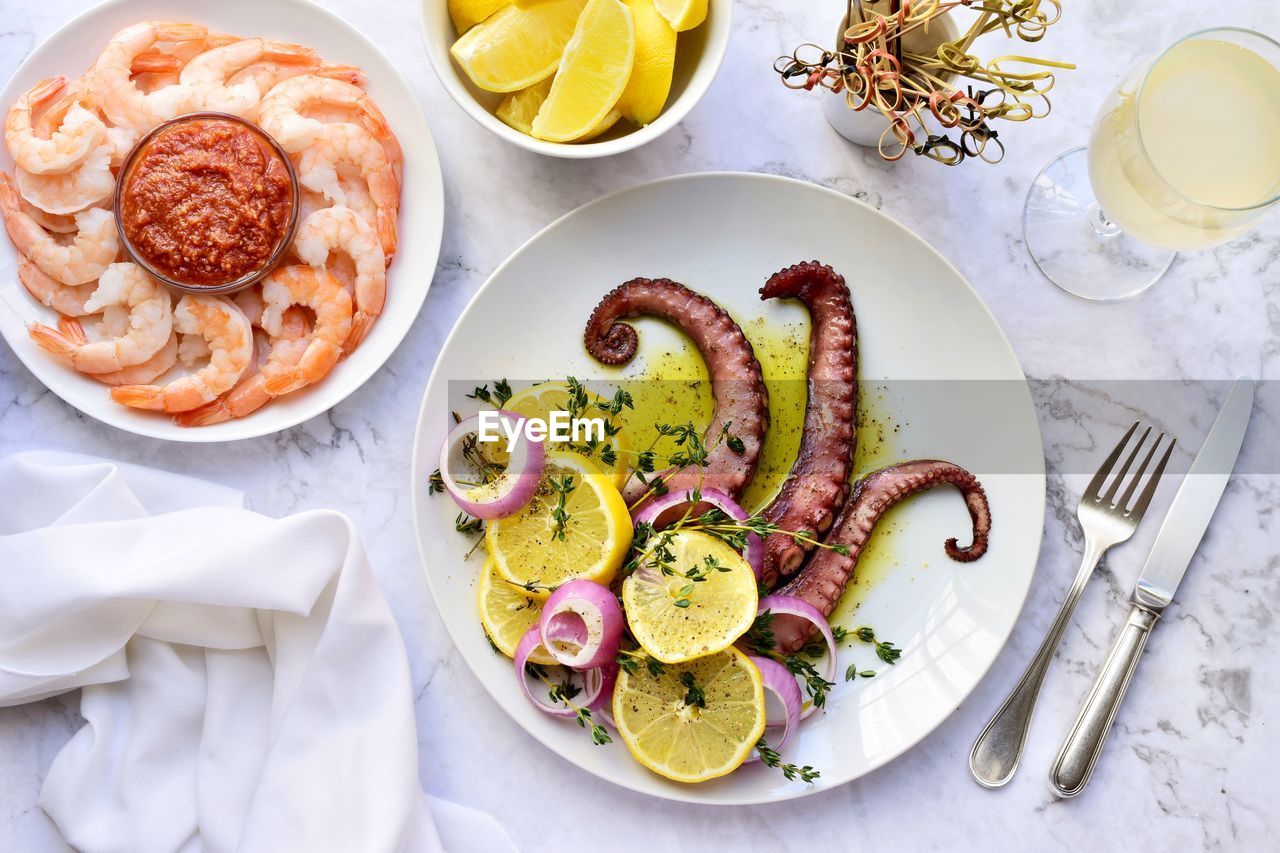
x: 674, y: 387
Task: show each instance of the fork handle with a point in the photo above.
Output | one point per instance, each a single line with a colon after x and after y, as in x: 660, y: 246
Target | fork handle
x: 1080, y: 751
x: 998, y: 749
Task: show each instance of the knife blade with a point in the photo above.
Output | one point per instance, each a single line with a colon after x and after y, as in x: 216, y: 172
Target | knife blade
x: 1176, y: 543
x: 1197, y: 498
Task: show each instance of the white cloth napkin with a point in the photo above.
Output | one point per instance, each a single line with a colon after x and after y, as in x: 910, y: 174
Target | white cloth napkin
x: 245, y: 686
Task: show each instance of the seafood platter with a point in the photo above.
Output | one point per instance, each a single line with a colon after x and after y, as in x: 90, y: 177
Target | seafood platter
x: 205, y: 220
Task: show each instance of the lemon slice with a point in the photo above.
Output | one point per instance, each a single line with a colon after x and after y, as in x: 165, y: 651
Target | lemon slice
x: 467, y: 13
x: 515, y: 47
x: 507, y: 614
x: 696, y: 721
x: 597, y: 534
x: 539, y: 401
x: 596, y: 66
x: 650, y: 82
x: 682, y: 14
x: 706, y: 601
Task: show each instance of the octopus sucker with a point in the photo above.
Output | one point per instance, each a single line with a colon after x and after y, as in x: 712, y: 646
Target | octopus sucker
x: 737, y: 384
x: 818, y: 482
x: 822, y: 581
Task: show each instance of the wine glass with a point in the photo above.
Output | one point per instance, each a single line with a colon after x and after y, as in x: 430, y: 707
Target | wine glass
x: 1184, y: 154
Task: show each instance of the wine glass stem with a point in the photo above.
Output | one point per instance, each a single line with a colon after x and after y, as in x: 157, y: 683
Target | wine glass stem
x: 1102, y: 223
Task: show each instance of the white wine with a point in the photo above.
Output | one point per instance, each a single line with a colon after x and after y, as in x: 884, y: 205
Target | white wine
x: 1186, y: 153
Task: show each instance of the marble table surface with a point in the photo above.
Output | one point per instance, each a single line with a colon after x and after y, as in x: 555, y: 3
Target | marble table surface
x: 1191, y: 763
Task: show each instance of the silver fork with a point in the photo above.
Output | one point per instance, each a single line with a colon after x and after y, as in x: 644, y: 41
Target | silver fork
x: 1105, y: 522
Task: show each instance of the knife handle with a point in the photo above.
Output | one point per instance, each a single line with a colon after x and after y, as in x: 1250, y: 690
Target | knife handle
x: 1080, y: 751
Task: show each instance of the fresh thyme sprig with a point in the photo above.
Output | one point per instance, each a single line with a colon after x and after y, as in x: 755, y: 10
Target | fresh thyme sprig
x: 696, y: 575
x: 693, y: 693
x: 580, y: 403
x: 759, y: 636
x: 564, y: 693
x: 853, y: 672
x: 770, y: 758
x: 631, y: 662
x: 561, y: 487
x: 814, y: 684
x: 499, y: 396
x: 435, y: 483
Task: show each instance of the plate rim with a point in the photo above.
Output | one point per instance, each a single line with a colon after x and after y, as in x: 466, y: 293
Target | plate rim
x: 437, y: 202
x: 688, y: 795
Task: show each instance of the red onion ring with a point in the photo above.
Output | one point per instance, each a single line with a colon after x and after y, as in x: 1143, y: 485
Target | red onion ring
x: 791, y: 606
x: 597, y: 683
x: 581, y: 624
x: 779, y: 681
x: 653, y: 510
x: 512, y: 490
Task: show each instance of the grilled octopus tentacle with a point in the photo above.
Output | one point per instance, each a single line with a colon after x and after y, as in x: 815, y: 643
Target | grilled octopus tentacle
x: 737, y: 384
x: 819, y: 480
x: 822, y: 581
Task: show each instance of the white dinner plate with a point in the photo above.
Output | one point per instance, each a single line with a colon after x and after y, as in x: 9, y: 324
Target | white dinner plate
x: 73, y: 48
x: 723, y: 235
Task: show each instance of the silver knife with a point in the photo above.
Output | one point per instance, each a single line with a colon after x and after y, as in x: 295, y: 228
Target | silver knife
x: 1176, y: 544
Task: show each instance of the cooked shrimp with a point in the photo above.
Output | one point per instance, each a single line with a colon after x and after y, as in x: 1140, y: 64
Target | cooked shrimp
x: 150, y: 323
x: 84, y: 186
x: 367, y: 116
x: 358, y: 199
x: 110, y: 80
x: 341, y: 230
x: 59, y: 151
x: 154, y: 81
x: 193, y: 349
x: 54, y: 223
x: 92, y: 249
x: 349, y: 146
x: 208, y: 73
x: 48, y: 291
x: 321, y: 292
x: 148, y: 371
x: 284, y: 350
x: 249, y: 301
x: 268, y: 73
x: 171, y: 57
x: 230, y: 339
x: 281, y: 113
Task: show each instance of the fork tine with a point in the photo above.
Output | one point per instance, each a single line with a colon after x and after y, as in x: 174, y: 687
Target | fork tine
x: 1137, y: 478
x: 1109, y: 497
x: 1137, y: 511
x: 1095, y: 485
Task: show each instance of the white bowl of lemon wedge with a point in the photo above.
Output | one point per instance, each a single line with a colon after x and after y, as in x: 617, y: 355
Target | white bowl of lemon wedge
x: 576, y: 78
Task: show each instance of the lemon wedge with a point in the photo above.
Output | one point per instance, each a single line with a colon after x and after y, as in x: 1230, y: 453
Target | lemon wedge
x: 515, y: 48
x: 531, y: 548
x: 706, y: 601
x: 682, y: 14
x: 507, y: 614
x: 596, y: 66
x: 519, y: 108
x: 539, y: 401
x: 467, y: 13
x: 650, y: 82
x: 696, y: 721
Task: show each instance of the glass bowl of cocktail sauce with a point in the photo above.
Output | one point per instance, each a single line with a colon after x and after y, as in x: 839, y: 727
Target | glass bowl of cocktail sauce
x: 207, y: 203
